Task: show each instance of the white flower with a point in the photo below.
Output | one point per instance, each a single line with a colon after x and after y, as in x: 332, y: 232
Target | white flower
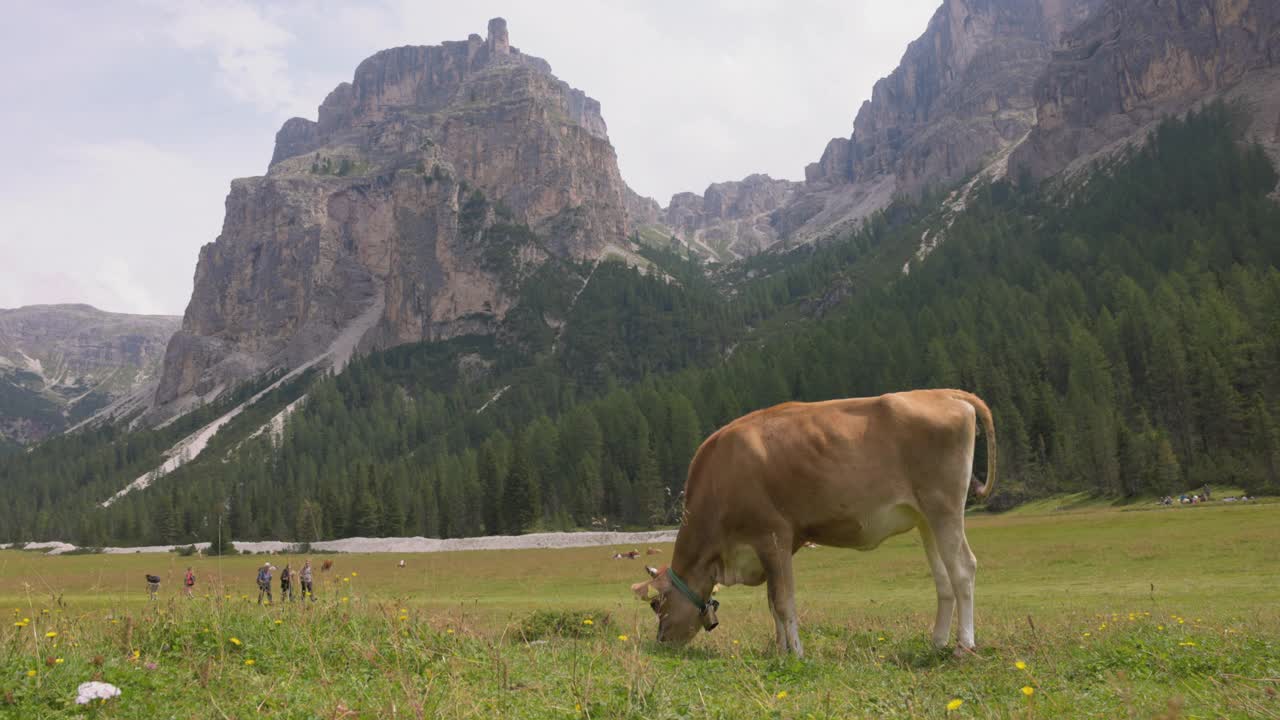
x: 90, y: 691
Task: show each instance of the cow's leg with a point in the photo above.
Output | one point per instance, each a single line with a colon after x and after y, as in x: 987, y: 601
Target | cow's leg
x: 780, y: 628
x: 782, y: 599
x: 942, y: 583
x: 961, y: 567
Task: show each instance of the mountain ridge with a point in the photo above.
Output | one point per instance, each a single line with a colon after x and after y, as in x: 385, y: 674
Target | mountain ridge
x: 61, y: 362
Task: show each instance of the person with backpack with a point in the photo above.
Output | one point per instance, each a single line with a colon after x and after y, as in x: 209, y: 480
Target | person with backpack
x: 264, y: 582
x: 286, y: 583
x: 305, y: 577
x: 153, y: 585
x: 188, y: 582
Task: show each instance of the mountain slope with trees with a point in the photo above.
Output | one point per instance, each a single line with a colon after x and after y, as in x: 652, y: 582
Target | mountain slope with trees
x: 1124, y: 329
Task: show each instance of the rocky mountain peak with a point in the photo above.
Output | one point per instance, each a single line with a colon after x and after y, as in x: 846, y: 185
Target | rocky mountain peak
x: 410, y: 209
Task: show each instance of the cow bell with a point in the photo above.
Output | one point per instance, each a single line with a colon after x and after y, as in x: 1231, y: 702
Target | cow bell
x: 709, y: 621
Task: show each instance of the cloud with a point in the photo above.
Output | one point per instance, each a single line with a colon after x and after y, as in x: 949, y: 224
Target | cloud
x: 116, y: 224
x: 249, y: 48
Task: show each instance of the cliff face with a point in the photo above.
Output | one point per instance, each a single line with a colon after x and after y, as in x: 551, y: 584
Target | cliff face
x: 59, y: 363
x: 428, y: 187
x: 1137, y: 60
x: 641, y: 210
x: 962, y: 94
x: 731, y: 219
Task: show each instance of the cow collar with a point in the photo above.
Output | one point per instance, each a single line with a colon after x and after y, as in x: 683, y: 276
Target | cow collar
x: 693, y: 597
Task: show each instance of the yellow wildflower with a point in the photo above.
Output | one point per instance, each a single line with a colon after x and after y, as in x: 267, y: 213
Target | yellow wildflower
x: 250, y: 661
x: 234, y: 641
x: 354, y: 574
x: 1028, y: 690
x: 449, y: 631
x: 57, y: 661
x: 622, y: 638
x: 954, y: 705
x: 1020, y: 665
x: 781, y: 694
x: 588, y: 621
x: 279, y: 622
x: 1159, y: 627
x: 51, y: 634
x: 1187, y: 644
x: 31, y: 673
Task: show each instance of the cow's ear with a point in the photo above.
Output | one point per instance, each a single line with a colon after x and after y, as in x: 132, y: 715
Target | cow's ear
x: 641, y: 590
x: 653, y: 571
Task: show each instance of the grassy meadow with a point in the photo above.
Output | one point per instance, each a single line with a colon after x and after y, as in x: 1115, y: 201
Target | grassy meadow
x: 1101, y: 613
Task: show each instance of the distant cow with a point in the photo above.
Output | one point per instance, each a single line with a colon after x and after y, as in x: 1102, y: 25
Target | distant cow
x: 327, y: 566
x: 401, y: 564
x: 653, y: 551
x: 845, y: 473
x: 628, y: 555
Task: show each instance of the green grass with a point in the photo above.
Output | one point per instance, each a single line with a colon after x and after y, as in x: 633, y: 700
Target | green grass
x: 1116, y: 614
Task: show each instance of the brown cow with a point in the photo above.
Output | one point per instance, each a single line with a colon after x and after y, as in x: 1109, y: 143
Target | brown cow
x: 843, y: 473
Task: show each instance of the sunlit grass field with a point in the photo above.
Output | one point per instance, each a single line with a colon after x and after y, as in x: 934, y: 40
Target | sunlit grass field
x: 1098, y: 613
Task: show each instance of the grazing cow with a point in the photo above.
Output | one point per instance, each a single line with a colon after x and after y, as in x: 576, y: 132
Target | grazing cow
x: 653, y: 551
x: 327, y: 566
x: 843, y: 473
x: 628, y: 555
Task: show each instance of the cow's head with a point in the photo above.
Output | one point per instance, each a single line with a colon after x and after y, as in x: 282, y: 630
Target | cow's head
x: 678, y: 611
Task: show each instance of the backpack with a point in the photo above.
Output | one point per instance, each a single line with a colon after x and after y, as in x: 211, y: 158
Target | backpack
x: 190, y: 578
x: 153, y: 579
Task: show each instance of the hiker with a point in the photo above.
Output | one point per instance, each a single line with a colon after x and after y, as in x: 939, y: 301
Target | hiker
x: 264, y: 582
x: 153, y: 585
x: 286, y: 583
x: 188, y: 582
x: 305, y: 577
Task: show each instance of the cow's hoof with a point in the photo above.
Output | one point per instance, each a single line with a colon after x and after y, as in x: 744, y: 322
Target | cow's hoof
x: 964, y: 652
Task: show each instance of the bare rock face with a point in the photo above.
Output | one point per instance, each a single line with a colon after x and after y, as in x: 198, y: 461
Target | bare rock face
x: 411, y: 209
x: 963, y: 93
x: 962, y: 97
x: 641, y: 210
x: 60, y: 363
x: 731, y: 219
x: 1137, y: 60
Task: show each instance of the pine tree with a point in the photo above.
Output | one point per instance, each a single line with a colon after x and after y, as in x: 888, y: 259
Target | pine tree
x: 521, y: 504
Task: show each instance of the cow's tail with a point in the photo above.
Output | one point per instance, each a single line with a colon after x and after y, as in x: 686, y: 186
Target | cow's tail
x: 989, y: 430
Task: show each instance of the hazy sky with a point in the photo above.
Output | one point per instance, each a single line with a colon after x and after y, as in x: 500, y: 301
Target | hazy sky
x: 123, y: 125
